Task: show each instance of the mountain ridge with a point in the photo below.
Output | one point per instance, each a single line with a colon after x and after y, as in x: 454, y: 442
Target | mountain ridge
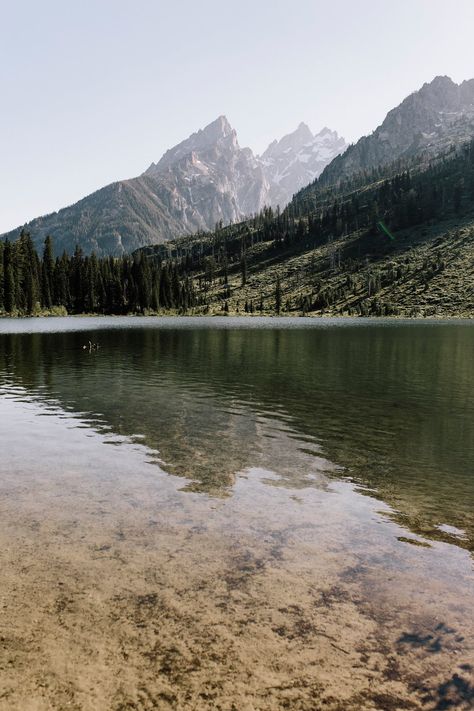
x: 204, y: 180
x: 208, y: 179
x: 297, y: 159
x: 420, y: 122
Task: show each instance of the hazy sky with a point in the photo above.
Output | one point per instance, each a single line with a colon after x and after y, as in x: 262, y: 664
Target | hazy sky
x: 95, y: 90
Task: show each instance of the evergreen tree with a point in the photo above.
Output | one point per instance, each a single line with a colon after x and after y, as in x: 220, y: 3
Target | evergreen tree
x: 47, y: 274
x: 9, y: 287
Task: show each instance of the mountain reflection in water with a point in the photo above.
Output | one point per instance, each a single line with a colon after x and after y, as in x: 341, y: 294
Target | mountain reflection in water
x: 388, y: 404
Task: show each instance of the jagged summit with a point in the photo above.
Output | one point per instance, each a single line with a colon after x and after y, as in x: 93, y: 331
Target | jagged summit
x: 298, y: 138
x: 303, y: 131
x: 206, y: 138
x: 441, y: 80
x: 441, y: 94
x: 206, y: 178
x: 437, y: 116
x: 297, y: 159
x: 219, y: 128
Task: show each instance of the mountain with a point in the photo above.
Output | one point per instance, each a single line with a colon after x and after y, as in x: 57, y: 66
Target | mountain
x: 211, y: 177
x: 391, y: 242
x: 297, y: 159
x: 430, y: 121
x: 397, y: 243
x: 204, y: 180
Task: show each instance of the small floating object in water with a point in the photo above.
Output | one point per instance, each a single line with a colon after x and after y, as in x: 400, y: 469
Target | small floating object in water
x: 91, y: 347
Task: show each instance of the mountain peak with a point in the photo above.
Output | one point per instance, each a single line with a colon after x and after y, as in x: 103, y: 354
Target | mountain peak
x: 441, y: 80
x: 215, y: 133
x: 327, y: 132
x: 220, y: 128
x: 440, y: 86
x: 303, y: 127
x: 303, y: 132
x: 297, y: 159
x: 434, y: 118
x: 289, y: 143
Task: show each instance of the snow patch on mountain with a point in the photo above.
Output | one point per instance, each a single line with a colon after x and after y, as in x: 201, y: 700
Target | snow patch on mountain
x: 298, y: 159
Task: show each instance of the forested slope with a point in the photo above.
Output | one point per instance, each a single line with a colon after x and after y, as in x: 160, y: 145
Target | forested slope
x: 397, y: 241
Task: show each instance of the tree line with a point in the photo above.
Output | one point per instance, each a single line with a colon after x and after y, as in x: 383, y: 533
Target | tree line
x: 210, y: 268
x: 76, y: 284
x: 416, y: 194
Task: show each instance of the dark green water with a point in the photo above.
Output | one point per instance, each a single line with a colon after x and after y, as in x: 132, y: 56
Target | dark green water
x: 390, y: 405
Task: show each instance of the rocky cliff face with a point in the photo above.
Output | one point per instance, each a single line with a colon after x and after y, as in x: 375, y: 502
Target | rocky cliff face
x: 297, y: 159
x: 203, y: 180
x: 432, y: 119
x: 211, y: 177
x: 208, y: 178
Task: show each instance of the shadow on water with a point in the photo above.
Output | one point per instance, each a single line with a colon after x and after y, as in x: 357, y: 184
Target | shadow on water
x: 391, y: 405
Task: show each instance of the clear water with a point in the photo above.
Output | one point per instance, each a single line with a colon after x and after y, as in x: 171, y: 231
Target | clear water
x: 349, y: 443
x: 390, y: 404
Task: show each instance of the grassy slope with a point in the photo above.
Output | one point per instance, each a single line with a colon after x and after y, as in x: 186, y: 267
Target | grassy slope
x: 427, y: 271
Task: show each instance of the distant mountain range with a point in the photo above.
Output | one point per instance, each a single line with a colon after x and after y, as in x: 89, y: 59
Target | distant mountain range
x: 206, y: 179
x: 209, y: 178
x: 387, y: 229
x: 297, y: 159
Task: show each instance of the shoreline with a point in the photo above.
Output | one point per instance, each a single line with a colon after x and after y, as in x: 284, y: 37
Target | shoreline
x: 220, y: 314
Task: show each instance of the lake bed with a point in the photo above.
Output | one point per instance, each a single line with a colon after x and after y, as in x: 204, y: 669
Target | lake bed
x: 236, y: 514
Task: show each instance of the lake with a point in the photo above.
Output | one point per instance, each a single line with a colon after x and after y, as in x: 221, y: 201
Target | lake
x: 236, y: 513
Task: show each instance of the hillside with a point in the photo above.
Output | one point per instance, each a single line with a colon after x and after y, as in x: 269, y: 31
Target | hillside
x: 395, y: 238
x: 337, y: 259
x: 398, y: 245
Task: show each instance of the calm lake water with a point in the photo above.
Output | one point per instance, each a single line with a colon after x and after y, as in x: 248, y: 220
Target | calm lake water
x: 237, y: 514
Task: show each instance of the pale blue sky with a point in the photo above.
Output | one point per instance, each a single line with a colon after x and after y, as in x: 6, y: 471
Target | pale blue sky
x: 94, y: 91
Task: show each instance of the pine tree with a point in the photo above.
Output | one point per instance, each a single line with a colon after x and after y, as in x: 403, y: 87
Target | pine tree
x: 9, y: 287
x: 76, y: 281
x: 47, y: 274
x: 61, y: 282
x: 27, y: 274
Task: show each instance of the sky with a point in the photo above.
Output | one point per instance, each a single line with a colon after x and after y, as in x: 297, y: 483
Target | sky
x: 94, y: 91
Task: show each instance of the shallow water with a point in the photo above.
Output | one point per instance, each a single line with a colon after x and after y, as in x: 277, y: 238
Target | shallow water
x: 283, y: 516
